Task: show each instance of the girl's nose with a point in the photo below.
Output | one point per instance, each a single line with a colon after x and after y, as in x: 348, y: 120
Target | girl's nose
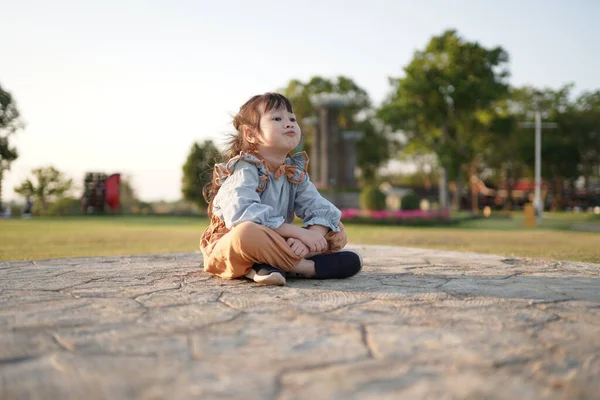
x: 289, y: 124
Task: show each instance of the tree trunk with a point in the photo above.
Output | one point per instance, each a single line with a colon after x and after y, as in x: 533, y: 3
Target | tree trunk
x: 508, y: 183
x: 443, y: 189
x: 1, y: 176
x: 474, y: 188
x: 557, y: 200
x: 457, y: 200
x: 427, y: 182
x: 571, y: 193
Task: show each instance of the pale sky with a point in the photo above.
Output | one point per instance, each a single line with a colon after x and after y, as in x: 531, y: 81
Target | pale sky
x: 128, y: 85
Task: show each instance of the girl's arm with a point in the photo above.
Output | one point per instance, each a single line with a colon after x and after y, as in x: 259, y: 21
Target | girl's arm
x: 314, y: 209
x: 320, y: 229
x: 318, y: 213
x: 313, y: 239
x: 290, y: 231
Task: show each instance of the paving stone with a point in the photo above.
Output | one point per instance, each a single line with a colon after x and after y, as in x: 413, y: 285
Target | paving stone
x: 415, y: 323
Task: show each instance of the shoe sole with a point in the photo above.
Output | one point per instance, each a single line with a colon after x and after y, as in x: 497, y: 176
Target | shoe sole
x: 273, y: 279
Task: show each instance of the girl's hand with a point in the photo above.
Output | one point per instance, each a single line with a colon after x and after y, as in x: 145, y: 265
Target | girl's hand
x: 298, y: 247
x: 314, y: 240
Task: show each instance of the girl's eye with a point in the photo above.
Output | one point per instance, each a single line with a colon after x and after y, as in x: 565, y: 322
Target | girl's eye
x: 293, y: 119
x: 277, y: 119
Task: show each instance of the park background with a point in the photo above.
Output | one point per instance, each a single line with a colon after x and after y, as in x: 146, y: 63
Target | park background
x: 146, y: 90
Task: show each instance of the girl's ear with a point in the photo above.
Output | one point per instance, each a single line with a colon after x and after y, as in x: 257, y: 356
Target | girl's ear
x: 249, y: 135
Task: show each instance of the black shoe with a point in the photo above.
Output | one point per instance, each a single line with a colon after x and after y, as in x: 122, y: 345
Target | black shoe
x: 340, y: 265
x: 266, y: 275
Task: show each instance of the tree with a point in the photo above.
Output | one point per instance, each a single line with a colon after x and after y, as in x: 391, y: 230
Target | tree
x: 9, y: 123
x: 568, y: 151
x: 560, y: 154
x: 425, y: 162
x: 127, y: 196
x: 504, y: 154
x: 374, y: 148
x: 45, y: 187
x: 565, y: 149
x: 440, y: 99
x: 197, y: 171
x: 583, y: 119
x: 64, y: 206
x: 300, y: 94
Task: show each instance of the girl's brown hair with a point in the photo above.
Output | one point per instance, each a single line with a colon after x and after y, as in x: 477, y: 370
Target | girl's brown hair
x: 248, y: 116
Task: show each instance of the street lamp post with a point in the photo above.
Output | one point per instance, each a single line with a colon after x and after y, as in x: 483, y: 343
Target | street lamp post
x: 537, y: 202
x: 539, y: 208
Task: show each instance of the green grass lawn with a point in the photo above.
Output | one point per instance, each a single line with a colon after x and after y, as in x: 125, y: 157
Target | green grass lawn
x: 41, y: 238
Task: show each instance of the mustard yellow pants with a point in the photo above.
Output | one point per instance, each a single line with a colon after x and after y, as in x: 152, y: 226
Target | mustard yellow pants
x: 233, y: 254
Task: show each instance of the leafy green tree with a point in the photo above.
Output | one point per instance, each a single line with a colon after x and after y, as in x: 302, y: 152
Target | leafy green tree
x: 65, y: 206
x: 128, y: 197
x: 504, y: 153
x: 301, y: 94
x: 9, y: 123
x: 374, y: 148
x: 568, y: 151
x: 425, y: 162
x: 46, y: 186
x: 583, y: 120
x: 440, y: 99
x: 560, y: 154
x: 197, y: 171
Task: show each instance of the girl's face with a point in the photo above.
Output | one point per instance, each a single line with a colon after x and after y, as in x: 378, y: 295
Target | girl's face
x: 279, y: 132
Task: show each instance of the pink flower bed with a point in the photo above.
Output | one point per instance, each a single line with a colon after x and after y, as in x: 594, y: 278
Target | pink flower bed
x: 349, y: 213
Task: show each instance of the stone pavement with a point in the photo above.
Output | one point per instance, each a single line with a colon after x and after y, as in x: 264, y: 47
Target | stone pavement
x: 414, y: 324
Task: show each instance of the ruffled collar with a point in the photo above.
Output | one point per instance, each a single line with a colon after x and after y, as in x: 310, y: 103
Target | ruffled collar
x: 295, y: 168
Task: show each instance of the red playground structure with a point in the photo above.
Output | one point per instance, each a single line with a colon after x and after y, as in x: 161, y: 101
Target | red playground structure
x: 100, y: 193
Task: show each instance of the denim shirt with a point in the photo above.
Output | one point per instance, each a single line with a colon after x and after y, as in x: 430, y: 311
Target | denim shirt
x: 250, y: 192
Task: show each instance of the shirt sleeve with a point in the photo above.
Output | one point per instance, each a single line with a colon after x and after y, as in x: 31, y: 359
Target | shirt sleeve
x: 313, y: 208
x: 238, y: 200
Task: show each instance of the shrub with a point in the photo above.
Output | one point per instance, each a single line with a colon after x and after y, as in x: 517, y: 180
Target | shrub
x: 410, y: 201
x: 371, y: 198
x: 64, y: 206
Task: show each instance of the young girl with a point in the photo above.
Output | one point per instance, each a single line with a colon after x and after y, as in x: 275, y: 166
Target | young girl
x: 253, y: 198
